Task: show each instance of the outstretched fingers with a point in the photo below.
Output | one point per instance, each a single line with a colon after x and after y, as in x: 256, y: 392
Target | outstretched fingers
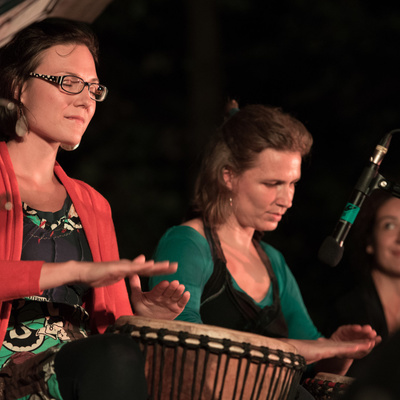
x: 175, y: 291
x: 144, y: 267
x: 356, y: 332
x: 171, y: 292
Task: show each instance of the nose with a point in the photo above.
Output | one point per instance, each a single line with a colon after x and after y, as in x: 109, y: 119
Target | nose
x: 83, y: 99
x: 398, y: 236
x: 284, y: 196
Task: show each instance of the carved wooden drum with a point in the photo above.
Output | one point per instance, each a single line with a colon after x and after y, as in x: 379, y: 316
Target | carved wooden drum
x: 326, y: 386
x: 203, y: 362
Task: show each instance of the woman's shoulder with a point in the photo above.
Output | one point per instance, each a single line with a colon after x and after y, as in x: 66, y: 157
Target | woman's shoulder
x: 196, y: 224
x: 192, y: 230
x: 183, y: 239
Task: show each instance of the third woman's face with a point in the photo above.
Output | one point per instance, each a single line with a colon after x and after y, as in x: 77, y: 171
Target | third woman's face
x: 263, y: 193
x: 386, y: 246
x: 54, y: 115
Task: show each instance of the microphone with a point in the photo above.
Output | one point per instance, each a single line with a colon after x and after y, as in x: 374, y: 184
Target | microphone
x: 331, y: 250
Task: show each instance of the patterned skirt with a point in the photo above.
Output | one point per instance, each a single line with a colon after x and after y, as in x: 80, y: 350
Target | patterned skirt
x: 30, y: 376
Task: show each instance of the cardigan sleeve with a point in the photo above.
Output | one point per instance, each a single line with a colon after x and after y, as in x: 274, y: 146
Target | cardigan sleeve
x: 24, y: 276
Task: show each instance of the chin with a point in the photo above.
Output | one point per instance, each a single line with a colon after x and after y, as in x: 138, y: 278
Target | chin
x: 267, y: 227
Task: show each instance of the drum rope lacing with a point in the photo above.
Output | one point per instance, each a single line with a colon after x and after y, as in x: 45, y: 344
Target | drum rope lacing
x: 287, y: 368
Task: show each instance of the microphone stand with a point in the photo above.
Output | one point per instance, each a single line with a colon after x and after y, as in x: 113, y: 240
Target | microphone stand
x: 382, y: 183
x: 379, y: 181
x: 332, y: 248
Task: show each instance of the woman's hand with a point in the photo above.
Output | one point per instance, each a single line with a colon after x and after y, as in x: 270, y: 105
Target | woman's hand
x: 350, y: 333
x: 165, y: 301
x: 316, y: 350
x: 97, y: 274
x: 336, y: 354
x: 356, y: 332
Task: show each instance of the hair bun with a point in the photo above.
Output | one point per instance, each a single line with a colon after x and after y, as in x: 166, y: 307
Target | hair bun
x: 231, y: 108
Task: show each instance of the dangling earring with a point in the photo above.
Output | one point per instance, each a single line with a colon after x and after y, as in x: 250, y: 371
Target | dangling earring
x: 21, y: 127
x: 68, y: 147
x: 230, y: 201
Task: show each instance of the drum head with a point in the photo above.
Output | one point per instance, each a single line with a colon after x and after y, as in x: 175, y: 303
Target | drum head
x: 209, y: 330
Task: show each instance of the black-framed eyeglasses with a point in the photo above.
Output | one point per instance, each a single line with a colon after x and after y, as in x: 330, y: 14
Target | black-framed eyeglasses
x: 75, y: 85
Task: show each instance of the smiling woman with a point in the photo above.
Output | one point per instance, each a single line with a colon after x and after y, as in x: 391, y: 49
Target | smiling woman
x: 375, y: 297
x: 43, y: 97
x: 61, y: 280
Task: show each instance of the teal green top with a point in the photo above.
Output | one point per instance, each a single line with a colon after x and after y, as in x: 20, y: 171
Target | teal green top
x: 195, y: 266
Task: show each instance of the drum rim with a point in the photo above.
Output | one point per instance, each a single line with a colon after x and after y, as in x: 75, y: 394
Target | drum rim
x: 276, y: 346
x: 218, y: 332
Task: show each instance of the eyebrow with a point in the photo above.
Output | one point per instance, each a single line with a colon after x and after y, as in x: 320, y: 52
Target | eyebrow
x: 94, y: 80
x: 383, y: 217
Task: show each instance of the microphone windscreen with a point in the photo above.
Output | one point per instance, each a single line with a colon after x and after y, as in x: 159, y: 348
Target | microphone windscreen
x: 330, y: 252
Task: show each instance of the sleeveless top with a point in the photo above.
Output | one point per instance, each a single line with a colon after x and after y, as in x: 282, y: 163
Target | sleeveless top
x: 222, y: 305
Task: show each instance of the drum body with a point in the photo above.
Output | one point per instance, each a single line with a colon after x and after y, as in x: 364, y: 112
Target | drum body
x: 202, y: 362
x: 325, y: 386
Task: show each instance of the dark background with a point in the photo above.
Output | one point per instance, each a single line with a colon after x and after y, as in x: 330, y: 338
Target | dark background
x: 171, y: 65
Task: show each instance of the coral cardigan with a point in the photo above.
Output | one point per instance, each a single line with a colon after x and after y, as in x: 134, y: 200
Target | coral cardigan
x: 21, y: 278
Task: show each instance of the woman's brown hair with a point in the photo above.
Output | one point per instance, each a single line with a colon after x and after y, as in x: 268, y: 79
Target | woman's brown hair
x: 235, y: 147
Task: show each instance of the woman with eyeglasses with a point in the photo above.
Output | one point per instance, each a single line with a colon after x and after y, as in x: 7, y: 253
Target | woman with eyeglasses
x: 61, y: 280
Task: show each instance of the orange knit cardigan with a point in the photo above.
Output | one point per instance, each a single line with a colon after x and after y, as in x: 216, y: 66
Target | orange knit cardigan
x: 21, y: 278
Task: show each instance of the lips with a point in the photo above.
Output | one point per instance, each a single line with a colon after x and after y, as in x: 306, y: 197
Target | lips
x: 76, y: 118
x: 276, y: 216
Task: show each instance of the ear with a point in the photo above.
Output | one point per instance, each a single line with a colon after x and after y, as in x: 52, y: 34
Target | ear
x: 19, y: 90
x: 228, y: 177
x: 369, y: 249
x: 16, y: 94
x: 19, y: 94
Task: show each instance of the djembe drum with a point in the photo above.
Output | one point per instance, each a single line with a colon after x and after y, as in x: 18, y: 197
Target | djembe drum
x: 203, y: 362
x: 326, y: 386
